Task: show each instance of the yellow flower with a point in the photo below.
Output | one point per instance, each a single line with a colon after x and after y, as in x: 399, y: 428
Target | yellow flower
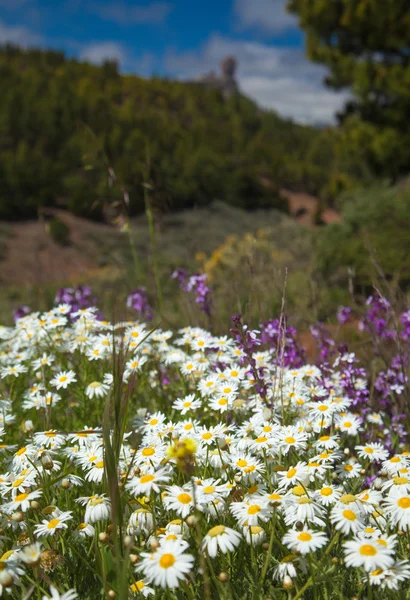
x: 182, y: 449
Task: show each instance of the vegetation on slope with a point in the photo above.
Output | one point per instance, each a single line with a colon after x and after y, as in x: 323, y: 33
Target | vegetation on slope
x: 68, y: 129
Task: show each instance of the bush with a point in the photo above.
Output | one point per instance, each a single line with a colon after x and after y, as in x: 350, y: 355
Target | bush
x: 59, y: 231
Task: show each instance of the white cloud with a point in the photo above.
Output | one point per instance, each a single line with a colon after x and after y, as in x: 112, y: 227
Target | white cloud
x: 19, y: 35
x: 277, y: 78
x: 124, y: 14
x: 98, y: 52
x: 269, y: 16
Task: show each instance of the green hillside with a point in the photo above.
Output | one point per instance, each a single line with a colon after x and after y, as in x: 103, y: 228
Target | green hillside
x: 64, y: 124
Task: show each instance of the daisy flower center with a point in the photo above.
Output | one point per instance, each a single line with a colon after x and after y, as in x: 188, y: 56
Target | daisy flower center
x: 207, y: 436
x: 148, y: 452
x: 53, y: 523
x: 241, y: 462
x: 18, y: 482
x: 253, y: 510
x: 166, y: 561
x: 209, y: 489
x: 215, y: 531
x: 20, y: 497
x: 400, y: 480
x: 404, y: 502
x: 63, y: 379
x: 327, y: 491
x: 184, y: 499
x: 290, y: 440
x: 291, y: 473
x: 147, y: 478
x: 304, y: 536
x: 349, y: 515
x: 368, y: 550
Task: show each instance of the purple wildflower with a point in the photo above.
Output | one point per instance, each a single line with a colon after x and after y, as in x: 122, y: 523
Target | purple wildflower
x: 138, y: 301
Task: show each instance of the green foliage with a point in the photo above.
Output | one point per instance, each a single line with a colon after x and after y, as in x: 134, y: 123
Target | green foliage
x: 64, y: 123
x: 59, y: 231
x: 372, y: 238
x: 365, y: 45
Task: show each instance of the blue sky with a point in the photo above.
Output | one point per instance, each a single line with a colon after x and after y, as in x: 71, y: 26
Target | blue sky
x: 183, y: 39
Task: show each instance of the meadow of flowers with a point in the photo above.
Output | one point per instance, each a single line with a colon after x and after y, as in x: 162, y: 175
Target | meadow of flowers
x: 139, y: 462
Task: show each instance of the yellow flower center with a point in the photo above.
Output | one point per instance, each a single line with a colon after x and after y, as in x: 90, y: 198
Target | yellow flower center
x: 18, y: 482
x: 21, y: 451
x: 377, y: 572
x: 241, y: 462
x: 291, y: 473
x: 304, y: 536
x: 20, y: 497
x: 290, y: 440
x: 147, y: 478
x: 184, y: 498
x: 218, y: 530
x: 166, y: 561
x: 326, y: 491
x: 148, y: 452
x: 63, y: 379
x: 254, y: 509
x: 349, y: 515
x: 348, y: 498
x: 209, y: 489
x: 261, y: 439
x: 368, y: 550
x: 53, y: 523
x: 404, y: 502
x: 206, y: 436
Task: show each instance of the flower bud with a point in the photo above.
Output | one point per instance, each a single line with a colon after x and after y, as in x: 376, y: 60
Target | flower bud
x: 66, y: 484
x: 35, y: 505
x: 154, y: 543
x: 128, y: 541
x: 191, y: 521
x: 103, y: 537
x: 47, y: 461
x: 223, y: 577
x: 110, y: 594
x: 17, y: 516
x: 6, y: 578
x: 28, y: 426
x: 134, y: 558
x: 287, y: 583
x: 308, y: 428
